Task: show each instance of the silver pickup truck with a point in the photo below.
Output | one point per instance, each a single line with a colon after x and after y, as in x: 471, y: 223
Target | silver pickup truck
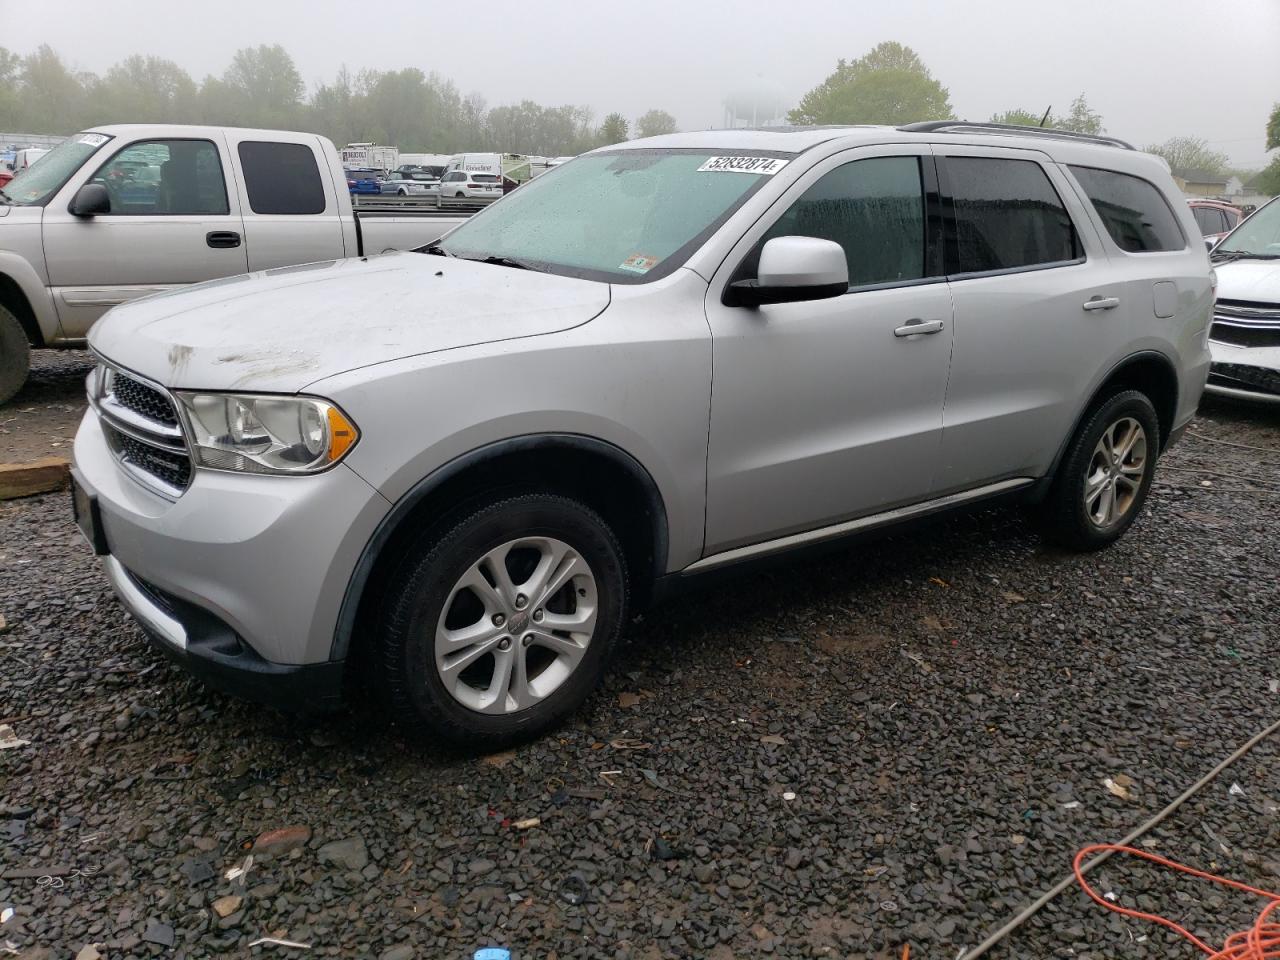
x: 120, y: 212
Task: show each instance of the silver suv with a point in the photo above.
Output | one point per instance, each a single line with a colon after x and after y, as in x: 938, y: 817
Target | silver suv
x: 465, y: 467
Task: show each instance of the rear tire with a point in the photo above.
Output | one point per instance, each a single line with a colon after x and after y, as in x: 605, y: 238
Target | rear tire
x: 496, y: 629
x: 1104, y: 477
x: 15, y: 355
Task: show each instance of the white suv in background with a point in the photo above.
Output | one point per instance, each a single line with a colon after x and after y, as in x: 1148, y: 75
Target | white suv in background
x: 663, y: 358
x: 459, y: 183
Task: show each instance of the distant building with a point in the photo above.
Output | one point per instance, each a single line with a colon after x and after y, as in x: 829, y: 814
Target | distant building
x: 1202, y: 183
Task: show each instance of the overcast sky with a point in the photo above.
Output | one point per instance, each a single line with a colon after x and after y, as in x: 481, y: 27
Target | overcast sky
x: 1152, y: 68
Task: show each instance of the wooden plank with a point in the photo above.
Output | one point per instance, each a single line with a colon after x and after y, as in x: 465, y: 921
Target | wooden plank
x: 39, y: 476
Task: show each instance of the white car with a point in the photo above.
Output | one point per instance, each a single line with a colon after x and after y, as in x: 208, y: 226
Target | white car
x: 410, y: 185
x: 476, y: 186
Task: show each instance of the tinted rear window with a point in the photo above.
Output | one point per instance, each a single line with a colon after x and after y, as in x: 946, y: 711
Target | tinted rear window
x: 1007, y: 215
x: 484, y: 178
x: 281, y: 178
x: 1133, y: 211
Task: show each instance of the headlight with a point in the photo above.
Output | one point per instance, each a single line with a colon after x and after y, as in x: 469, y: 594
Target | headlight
x: 266, y: 434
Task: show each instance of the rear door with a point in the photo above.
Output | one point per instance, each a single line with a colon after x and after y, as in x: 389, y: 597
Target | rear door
x: 175, y: 219
x: 1023, y: 260
x: 291, y: 212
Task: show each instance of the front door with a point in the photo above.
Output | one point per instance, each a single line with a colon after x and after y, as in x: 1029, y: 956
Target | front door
x: 826, y: 410
x: 174, y: 220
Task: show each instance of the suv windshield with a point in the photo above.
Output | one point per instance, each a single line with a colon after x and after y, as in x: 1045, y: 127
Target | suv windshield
x: 37, y: 184
x: 1257, y: 236
x: 625, y: 216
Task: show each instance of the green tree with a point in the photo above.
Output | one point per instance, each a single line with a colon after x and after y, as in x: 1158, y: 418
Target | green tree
x: 146, y: 90
x: 1190, y: 153
x: 1269, y: 180
x: 10, y: 74
x: 1273, y: 128
x: 613, y: 130
x: 655, y: 123
x: 51, y: 99
x: 890, y: 85
x: 261, y: 88
x: 1081, y: 119
x: 1021, y: 118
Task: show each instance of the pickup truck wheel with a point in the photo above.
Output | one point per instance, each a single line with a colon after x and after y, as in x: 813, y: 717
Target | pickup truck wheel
x: 15, y: 355
x: 1103, y: 480
x: 498, y: 629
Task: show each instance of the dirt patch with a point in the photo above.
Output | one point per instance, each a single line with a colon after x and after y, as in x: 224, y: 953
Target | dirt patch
x: 41, y: 421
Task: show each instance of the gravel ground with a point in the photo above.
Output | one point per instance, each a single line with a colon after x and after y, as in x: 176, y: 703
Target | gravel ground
x: 903, y: 743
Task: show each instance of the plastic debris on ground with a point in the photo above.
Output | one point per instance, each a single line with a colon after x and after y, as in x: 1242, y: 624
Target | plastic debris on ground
x: 1119, y: 786
x: 573, y: 889
x: 492, y: 953
x: 9, y: 740
x: 278, y: 942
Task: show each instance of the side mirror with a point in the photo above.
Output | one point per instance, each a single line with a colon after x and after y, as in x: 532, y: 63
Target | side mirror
x: 793, y: 269
x: 90, y: 200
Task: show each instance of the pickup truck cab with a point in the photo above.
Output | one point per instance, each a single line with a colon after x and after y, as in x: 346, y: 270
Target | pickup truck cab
x: 662, y: 359
x: 120, y: 212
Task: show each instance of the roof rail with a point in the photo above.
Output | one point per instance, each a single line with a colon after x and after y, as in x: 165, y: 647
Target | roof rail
x: 1010, y: 129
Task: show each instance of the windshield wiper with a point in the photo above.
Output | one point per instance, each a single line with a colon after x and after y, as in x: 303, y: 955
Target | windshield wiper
x: 5, y: 198
x: 502, y: 262
x: 436, y: 250
x: 1225, y: 256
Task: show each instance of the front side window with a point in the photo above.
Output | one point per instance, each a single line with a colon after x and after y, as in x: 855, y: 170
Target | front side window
x: 36, y: 185
x: 166, y: 178
x: 1133, y: 211
x: 625, y: 216
x: 281, y: 178
x: 874, y: 209
x: 1007, y: 216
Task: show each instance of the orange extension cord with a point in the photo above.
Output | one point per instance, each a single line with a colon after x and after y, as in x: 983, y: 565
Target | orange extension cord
x: 1260, y: 942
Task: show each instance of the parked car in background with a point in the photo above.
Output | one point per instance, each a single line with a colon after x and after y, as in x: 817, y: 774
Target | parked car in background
x: 476, y: 186
x: 1245, y: 338
x: 1215, y: 218
x: 26, y: 157
x: 364, y: 181
x: 411, y: 183
x: 120, y: 212
x: 462, y: 467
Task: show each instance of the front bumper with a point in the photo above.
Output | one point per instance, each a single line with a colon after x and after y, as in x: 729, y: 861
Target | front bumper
x: 242, y: 577
x: 1249, y: 373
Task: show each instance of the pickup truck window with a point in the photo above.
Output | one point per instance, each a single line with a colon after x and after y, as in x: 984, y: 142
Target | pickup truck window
x: 166, y: 178
x: 281, y: 178
x: 873, y: 208
x: 37, y: 185
x: 624, y: 216
x: 1007, y: 216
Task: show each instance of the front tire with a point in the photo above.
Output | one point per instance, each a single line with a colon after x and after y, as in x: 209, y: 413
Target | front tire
x: 499, y: 628
x: 1105, y: 475
x: 15, y: 355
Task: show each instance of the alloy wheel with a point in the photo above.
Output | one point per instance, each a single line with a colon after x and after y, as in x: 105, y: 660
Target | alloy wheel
x: 516, y: 625
x: 1115, y: 472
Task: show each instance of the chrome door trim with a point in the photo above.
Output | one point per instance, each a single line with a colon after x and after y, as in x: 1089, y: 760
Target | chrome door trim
x: 754, y: 550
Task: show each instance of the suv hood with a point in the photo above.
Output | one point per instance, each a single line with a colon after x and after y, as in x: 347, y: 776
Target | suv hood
x: 282, y: 329
x: 1256, y: 280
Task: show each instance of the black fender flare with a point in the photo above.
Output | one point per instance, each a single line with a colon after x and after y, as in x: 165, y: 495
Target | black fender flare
x: 403, y: 507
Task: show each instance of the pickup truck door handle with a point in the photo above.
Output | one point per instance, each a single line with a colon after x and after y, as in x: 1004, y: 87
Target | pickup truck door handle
x: 1102, y: 303
x: 914, y: 328
x: 222, y: 239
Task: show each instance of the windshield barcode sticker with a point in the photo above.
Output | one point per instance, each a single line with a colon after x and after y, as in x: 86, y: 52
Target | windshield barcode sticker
x: 765, y: 166
x: 93, y: 139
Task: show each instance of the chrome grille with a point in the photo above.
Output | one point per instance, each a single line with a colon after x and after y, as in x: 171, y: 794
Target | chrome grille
x: 140, y: 421
x: 1246, y: 323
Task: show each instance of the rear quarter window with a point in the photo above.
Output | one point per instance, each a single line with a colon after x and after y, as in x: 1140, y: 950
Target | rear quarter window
x: 1134, y: 211
x: 281, y: 178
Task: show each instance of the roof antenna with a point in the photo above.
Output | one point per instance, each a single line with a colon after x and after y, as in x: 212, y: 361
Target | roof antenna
x: 1046, y: 115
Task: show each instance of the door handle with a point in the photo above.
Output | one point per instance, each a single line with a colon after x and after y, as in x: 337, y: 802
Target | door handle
x: 222, y: 239
x: 1102, y: 303
x: 915, y: 328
